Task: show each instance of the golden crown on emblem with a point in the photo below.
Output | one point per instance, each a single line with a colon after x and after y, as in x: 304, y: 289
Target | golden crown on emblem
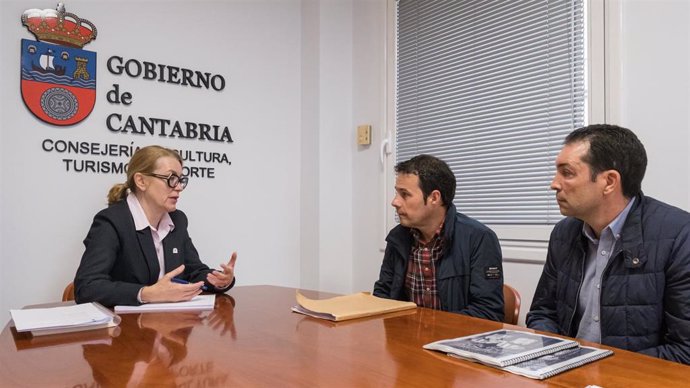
x: 58, y: 26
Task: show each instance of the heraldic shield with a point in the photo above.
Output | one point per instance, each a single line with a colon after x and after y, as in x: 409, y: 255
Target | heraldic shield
x: 58, y: 82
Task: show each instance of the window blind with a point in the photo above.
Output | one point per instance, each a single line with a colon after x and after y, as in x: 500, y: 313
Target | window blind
x: 492, y: 88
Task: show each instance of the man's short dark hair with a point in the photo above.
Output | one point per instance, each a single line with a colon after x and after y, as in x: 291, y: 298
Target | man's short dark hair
x: 433, y: 173
x: 613, y: 148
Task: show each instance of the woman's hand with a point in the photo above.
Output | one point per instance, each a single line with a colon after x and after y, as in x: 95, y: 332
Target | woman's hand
x: 164, y: 290
x: 222, y: 279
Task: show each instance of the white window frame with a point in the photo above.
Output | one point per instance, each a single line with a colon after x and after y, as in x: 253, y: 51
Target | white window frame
x: 520, y: 243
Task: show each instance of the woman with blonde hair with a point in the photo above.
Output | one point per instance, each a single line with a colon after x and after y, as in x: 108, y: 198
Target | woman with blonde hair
x: 138, y: 249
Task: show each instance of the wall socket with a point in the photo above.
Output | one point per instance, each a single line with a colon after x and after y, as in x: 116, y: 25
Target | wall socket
x: 364, y: 134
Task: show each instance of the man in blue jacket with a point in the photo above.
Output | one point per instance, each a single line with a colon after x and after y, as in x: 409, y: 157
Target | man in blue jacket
x: 618, y: 267
x: 437, y: 257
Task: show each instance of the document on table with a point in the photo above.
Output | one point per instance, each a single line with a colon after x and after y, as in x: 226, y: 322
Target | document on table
x: 341, y: 308
x: 502, y: 347
x: 63, y: 319
x: 198, y: 303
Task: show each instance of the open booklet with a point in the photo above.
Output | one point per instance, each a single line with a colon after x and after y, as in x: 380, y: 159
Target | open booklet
x: 63, y: 319
x: 552, y: 364
x: 346, y: 307
x: 198, y: 303
x: 501, y: 347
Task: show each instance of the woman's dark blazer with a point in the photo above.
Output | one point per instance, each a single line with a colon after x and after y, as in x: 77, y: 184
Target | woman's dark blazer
x: 119, y: 260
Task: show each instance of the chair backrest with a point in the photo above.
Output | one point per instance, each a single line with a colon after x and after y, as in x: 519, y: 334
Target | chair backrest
x: 511, y: 300
x: 68, y: 294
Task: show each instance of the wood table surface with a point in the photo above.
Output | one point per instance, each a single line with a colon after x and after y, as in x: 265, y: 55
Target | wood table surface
x: 252, y: 339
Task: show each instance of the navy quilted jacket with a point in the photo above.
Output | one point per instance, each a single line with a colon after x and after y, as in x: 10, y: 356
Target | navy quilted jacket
x: 645, y: 294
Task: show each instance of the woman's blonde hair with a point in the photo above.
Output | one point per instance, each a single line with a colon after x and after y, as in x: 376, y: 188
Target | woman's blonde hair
x: 143, y: 161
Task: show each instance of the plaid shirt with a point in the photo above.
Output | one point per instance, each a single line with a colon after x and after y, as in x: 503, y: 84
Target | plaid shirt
x: 420, y: 280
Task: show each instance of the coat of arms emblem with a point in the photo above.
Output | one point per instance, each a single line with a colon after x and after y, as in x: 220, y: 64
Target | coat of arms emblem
x: 58, y: 78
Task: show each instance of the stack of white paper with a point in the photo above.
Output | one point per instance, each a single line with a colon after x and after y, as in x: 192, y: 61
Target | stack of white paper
x: 63, y: 319
x: 198, y: 303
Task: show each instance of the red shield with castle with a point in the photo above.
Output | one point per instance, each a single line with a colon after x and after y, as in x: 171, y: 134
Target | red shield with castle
x: 58, y: 77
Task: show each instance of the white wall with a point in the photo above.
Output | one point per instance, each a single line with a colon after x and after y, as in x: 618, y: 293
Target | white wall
x: 369, y: 195
x: 302, y: 75
x: 251, y: 206
x: 652, y: 43
x: 343, y: 84
x: 309, y: 162
x: 335, y: 146
x: 299, y: 202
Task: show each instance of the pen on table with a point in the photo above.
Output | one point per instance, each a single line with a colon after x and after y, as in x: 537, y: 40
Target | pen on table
x: 181, y: 281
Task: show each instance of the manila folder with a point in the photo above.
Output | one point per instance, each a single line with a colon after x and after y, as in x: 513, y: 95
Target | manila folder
x: 346, y: 307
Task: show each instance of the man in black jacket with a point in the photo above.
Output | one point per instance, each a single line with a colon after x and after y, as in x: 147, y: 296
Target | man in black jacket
x: 617, y: 270
x: 437, y: 257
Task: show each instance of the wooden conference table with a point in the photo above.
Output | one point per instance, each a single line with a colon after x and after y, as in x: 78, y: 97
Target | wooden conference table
x: 252, y: 339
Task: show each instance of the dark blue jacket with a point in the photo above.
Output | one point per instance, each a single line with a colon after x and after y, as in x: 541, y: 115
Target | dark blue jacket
x: 645, y: 288
x: 119, y: 260
x: 469, y: 276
